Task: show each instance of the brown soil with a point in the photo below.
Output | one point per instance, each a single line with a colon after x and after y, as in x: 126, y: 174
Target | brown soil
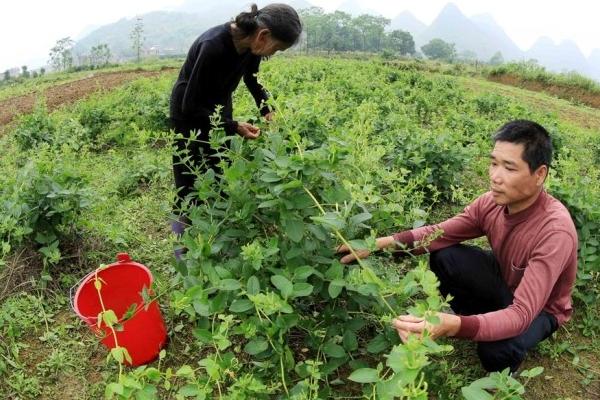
x: 561, y: 379
x: 20, y: 272
x: 69, y: 92
x: 564, y: 92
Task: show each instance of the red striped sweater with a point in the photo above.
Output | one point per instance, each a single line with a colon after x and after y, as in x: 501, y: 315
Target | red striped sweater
x: 537, y: 252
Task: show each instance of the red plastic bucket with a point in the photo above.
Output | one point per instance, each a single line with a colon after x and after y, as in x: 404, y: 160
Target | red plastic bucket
x: 144, y: 334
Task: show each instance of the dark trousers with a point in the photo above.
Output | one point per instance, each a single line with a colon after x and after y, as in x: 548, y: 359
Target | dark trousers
x: 472, y: 276
x: 192, y: 155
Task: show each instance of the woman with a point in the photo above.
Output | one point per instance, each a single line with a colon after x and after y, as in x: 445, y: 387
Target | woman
x: 214, y: 66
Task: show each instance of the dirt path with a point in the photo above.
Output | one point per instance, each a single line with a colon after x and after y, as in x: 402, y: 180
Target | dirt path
x: 70, y: 92
x: 570, y: 93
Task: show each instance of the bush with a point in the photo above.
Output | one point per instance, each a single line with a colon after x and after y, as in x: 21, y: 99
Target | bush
x: 41, y: 203
x: 35, y: 129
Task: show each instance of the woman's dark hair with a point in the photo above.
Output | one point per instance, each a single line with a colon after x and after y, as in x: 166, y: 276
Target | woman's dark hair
x: 280, y: 19
x: 534, y: 138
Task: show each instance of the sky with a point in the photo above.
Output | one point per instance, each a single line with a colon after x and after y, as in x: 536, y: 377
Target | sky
x: 28, y: 29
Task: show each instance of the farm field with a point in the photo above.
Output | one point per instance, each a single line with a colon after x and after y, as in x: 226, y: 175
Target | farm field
x: 260, y: 307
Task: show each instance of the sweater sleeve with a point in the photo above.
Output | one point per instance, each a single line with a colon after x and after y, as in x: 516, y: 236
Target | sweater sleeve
x: 464, y: 226
x: 548, y: 259
x: 202, y: 72
x: 256, y: 89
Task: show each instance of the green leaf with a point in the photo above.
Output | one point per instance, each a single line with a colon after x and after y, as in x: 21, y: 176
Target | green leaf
x: 336, y: 271
x: 302, y: 273
x: 126, y: 355
x: 256, y: 346
x: 283, y: 284
x: 532, y: 373
x: 335, y: 287
x: 185, y: 371
x: 302, y: 289
x: 149, y: 392
x: 153, y: 374
x: 188, y: 391
x: 130, y: 311
x: 117, y: 354
x: 377, y: 344
x: 253, y: 286
x: 229, y: 284
x: 350, y: 341
x: 294, y: 228
x: 241, y: 305
x: 270, y: 177
x: 364, y: 375
x: 474, y: 393
x: 269, y: 203
x: 203, y: 335
x: 360, y: 218
x: 130, y: 382
x: 113, y: 388
x: 334, y: 350
x: 331, y: 220
x: 109, y: 318
x: 287, y: 186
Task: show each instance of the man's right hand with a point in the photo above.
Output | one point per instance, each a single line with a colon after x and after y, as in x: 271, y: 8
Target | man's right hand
x: 382, y: 243
x: 248, y: 131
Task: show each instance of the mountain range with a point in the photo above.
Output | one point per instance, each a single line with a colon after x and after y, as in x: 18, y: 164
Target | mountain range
x: 172, y: 33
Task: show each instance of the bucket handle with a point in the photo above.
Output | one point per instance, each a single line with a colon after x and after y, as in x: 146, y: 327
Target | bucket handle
x: 74, y: 288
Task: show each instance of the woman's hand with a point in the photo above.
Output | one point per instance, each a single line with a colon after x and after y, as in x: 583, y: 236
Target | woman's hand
x: 269, y: 116
x: 248, y: 131
x: 381, y: 243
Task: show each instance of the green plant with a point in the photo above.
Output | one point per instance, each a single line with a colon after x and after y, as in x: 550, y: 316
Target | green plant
x: 35, y: 128
x: 41, y: 203
x: 281, y: 279
x: 500, y: 385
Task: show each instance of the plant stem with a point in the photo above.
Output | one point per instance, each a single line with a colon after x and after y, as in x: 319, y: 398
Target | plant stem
x: 112, y: 329
x: 341, y: 237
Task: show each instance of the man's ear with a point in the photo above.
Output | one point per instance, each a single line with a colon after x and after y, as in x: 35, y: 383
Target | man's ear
x: 541, y: 174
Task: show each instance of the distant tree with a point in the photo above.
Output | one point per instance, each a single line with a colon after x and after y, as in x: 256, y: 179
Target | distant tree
x: 467, y: 56
x: 312, y: 21
x: 137, y: 37
x: 497, y: 59
x: 437, y: 49
x: 61, y: 57
x: 6, y: 75
x: 372, y: 30
x: 42, y: 71
x: 402, y: 42
x: 34, y: 74
x: 24, y: 71
x: 100, y: 55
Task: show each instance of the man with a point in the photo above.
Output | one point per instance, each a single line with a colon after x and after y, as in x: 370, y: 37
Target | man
x: 517, y: 295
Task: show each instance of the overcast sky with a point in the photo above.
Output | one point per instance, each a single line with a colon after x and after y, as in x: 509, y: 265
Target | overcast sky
x: 28, y: 29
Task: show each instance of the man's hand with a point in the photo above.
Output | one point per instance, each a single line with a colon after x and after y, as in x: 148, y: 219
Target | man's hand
x: 381, y: 243
x: 407, y: 324
x: 269, y: 116
x: 248, y: 131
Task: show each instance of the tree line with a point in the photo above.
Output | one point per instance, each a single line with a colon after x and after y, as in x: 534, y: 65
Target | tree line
x: 339, y: 31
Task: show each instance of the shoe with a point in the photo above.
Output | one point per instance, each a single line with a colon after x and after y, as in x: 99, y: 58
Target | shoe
x: 178, y: 227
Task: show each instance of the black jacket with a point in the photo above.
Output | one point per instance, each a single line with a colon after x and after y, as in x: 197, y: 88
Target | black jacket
x: 211, y: 73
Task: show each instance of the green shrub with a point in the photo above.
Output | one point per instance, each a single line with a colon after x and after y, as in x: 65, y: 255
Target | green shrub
x: 41, y: 203
x: 35, y: 129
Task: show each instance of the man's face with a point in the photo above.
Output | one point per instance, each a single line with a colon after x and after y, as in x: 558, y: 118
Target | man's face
x: 511, y: 182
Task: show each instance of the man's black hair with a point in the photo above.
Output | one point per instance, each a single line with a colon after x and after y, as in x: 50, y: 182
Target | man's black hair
x: 534, y: 138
